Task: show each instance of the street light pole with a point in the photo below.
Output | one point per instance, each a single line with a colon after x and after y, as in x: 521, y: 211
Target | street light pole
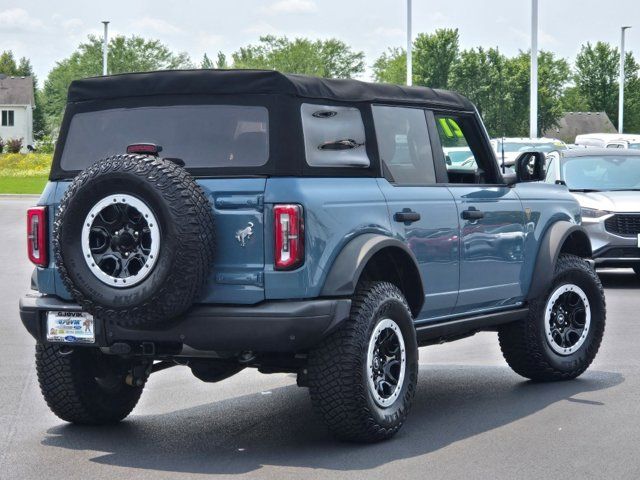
x: 409, y: 46
x: 105, y: 46
x: 533, y: 101
x: 621, y: 81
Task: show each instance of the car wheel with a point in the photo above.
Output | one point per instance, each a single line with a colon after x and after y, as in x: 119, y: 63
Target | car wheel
x: 562, y: 333
x: 362, y: 378
x: 84, y: 386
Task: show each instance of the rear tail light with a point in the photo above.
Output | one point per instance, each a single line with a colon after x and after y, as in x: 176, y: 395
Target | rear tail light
x: 37, y: 235
x: 289, y: 230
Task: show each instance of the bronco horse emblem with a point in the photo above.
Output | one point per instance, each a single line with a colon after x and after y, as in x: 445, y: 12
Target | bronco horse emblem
x: 245, y: 234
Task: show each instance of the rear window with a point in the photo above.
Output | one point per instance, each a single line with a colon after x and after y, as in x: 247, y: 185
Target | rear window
x: 203, y: 136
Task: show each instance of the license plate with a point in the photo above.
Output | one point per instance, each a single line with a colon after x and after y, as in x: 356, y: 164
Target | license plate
x: 70, y: 327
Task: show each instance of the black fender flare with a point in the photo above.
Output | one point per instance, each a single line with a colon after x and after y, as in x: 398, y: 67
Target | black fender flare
x: 552, y: 244
x: 345, y: 272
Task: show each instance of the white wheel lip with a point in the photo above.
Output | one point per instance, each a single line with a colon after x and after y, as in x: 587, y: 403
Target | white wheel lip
x: 568, y: 287
x: 383, y: 325
x: 154, y: 229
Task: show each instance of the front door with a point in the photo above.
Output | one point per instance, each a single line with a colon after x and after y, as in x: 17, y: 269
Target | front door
x: 490, y: 216
x: 491, y: 246
x: 423, y: 213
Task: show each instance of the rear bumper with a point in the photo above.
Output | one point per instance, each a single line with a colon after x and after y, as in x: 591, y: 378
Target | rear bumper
x: 272, y: 326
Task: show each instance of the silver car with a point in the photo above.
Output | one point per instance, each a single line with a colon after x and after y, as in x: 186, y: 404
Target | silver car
x: 606, y: 183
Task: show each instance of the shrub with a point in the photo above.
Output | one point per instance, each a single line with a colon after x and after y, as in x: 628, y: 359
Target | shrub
x: 46, y: 144
x: 1, y: 144
x: 14, y: 145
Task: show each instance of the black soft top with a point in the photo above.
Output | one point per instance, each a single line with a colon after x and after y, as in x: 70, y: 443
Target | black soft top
x: 233, y: 82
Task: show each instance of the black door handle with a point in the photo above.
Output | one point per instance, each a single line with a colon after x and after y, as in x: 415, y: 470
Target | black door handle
x: 472, y: 213
x: 406, y: 216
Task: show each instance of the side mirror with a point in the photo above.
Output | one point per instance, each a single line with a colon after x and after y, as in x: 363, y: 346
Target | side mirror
x: 530, y: 167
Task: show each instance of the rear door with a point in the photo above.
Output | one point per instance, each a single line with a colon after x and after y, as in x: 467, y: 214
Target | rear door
x: 423, y: 214
x: 491, y: 220
x: 209, y: 139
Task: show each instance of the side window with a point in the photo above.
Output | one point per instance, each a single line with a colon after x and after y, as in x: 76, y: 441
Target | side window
x: 455, y: 147
x: 7, y: 118
x: 333, y: 136
x: 404, y: 146
x: 551, y: 172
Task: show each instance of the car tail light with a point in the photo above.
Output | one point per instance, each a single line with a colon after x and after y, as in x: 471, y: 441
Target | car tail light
x: 289, y: 229
x: 37, y: 235
x: 144, y: 149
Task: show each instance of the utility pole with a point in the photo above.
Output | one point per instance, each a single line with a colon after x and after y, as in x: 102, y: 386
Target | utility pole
x: 621, y: 81
x: 409, y: 46
x: 105, y: 47
x: 533, y: 101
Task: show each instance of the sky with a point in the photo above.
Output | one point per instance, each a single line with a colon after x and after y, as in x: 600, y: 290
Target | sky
x: 47, y: 31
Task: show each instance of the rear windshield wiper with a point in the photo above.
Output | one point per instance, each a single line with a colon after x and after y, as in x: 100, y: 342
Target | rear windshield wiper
x: 584, y: 190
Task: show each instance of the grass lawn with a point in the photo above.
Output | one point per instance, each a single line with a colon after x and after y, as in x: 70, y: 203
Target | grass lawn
x: 34, y: 184
x: 24, y: 173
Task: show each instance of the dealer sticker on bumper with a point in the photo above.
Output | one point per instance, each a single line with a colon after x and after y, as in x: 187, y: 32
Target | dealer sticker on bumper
x: 70, y: 327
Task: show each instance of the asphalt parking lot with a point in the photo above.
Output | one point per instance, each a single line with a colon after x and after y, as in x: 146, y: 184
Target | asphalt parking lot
x: 472, y: 418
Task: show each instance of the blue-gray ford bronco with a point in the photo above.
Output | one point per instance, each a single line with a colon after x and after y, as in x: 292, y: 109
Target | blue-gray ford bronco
x: 224, y: 219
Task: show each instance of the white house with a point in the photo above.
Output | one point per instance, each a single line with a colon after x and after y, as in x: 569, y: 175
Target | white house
x: 16, y: 109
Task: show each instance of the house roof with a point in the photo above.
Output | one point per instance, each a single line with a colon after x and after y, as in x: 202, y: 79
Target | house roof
x: 16, y: 91
x: 577, y: 123
x: 242, y: 82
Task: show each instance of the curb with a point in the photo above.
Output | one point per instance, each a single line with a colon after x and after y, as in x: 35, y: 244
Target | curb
x: 18, y: 196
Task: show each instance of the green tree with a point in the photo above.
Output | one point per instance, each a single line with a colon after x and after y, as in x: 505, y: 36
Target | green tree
x: 323, y: 58
x: 125, y: 54
x: 553, y: 76
x: 480, y: 74
x: 434, y: 56
x: 596, y: 77
x: 572, y: 100
x: 632, y: 106
x: 391, y: 66
x: 221, y: 61
x: 207, y: 62
x: 8, y: 64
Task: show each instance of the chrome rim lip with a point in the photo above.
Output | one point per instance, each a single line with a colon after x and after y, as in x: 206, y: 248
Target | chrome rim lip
x: 559, y: 349
x: 154, y: 230
x: 385, y: 324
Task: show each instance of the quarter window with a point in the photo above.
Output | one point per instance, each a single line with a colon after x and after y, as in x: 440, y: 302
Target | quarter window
x: 8, y: 118
x: 333, y: 136
x: 404, y: 146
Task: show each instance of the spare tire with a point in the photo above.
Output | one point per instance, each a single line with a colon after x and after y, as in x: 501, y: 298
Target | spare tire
x: 134, y: 240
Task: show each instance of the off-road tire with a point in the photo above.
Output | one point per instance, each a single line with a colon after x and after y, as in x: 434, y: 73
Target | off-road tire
x: 337, y: 372
x: 185, y: 219
x: 524, y: 344
x: 69, y: 385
